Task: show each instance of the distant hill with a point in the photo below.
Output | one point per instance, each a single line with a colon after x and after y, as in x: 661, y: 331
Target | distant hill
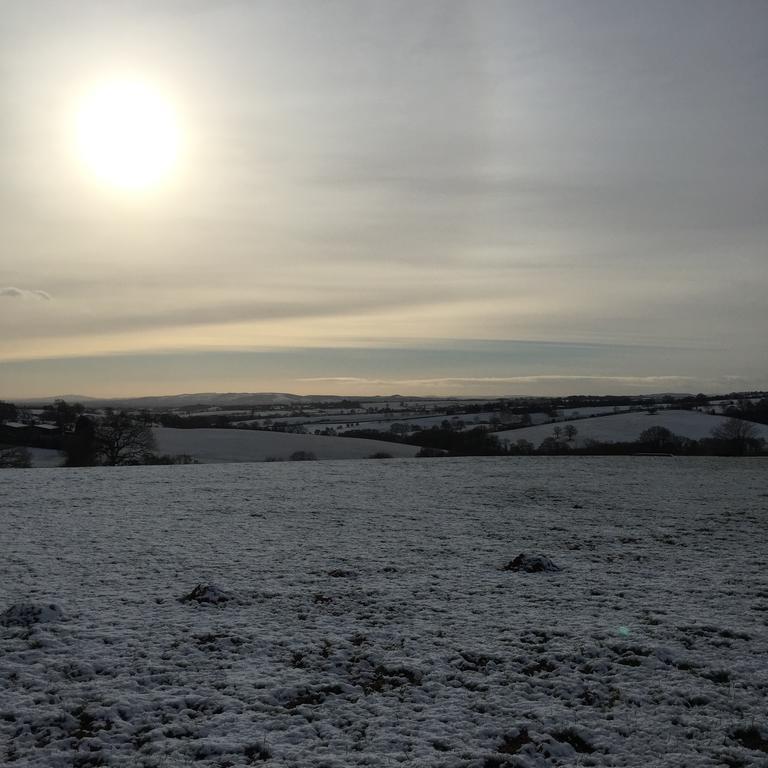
x: 47, y: 400
x: 236, y: 399
x: 182, y: 400
x: 206, y: 398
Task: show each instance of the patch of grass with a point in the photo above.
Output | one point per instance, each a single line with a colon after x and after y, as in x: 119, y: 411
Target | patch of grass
x: 312, y: 697
x: 341, y: 573
x: 720, y: 676
x: 512, y: 744
x: 257, y: 752
x: 543, y: 665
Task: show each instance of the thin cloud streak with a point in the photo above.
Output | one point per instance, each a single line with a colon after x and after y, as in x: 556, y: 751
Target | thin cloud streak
x: 11, y: 291
x: 650, y: 381
x: 224, y: 314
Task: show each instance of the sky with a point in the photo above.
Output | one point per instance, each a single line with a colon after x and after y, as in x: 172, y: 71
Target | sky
x: 432, y: 198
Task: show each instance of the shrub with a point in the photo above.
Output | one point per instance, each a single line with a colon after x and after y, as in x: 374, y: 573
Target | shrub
x: 302, y: 456
x: 429, y: 453
x: 15, y: 458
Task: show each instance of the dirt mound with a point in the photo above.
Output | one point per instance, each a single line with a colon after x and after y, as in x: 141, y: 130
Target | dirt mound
x: 206, y: 593
x: 531, y: 564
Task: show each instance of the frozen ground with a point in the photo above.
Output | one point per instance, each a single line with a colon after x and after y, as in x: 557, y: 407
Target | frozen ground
x: 232, y: 445
x: 622, y: 427
x: 361, y: 616
x: 46, y: 457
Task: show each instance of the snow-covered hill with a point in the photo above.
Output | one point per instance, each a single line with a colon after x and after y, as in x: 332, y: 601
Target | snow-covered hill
x: 626, y: 427
x: 236, y: 445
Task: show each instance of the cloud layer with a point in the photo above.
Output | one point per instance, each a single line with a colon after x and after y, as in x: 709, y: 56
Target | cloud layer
x: 358, y: 174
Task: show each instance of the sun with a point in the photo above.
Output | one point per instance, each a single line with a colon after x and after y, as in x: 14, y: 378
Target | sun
x: 127, y: 134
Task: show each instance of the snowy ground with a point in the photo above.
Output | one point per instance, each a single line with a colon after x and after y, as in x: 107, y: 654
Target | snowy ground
x: 46, y: 457
x: 232, y: 445
x: 369, y: 621
x: 627, y: 427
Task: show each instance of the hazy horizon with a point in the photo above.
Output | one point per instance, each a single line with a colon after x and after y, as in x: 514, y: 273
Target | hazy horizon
x: 448, y: 198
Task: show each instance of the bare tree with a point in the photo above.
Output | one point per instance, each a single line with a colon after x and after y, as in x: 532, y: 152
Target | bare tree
x: 8, y: 412
x: 522, y: 446
x: 570, y: 432
x: 65, y: 414
x: 302, y: 456
x: 80, y: 445
x: 741, y: 435
x: 658, y: 437
x: 121, y: 440
x: 553, y: 445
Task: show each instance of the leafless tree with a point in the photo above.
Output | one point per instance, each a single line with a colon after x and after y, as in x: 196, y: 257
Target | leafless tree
x: 121, y: 440
x: 739, y: 433
x: 657, y: 436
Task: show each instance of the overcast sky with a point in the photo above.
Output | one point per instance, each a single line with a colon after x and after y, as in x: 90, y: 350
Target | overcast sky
x: 375, y: 197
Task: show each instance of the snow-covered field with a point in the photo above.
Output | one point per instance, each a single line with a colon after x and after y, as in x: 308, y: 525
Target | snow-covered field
x: 233, y: 445
x: 621, y: 427
x: 46, y: 457
x: 365, y: 619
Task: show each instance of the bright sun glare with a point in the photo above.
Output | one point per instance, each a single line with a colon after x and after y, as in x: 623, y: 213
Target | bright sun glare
x: 127, y: 134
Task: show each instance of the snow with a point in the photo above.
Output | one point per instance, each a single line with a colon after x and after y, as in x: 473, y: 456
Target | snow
x: 46, y: 457
x: 626, y: 427
x: 374, y: 624
x: 235, y: 445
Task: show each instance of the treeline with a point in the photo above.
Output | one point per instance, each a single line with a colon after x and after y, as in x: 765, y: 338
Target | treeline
x: 193, y: 422
x: 746, y: 409
x: 441, y: 440
x: 733, y: 438
x: 116, y: 439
